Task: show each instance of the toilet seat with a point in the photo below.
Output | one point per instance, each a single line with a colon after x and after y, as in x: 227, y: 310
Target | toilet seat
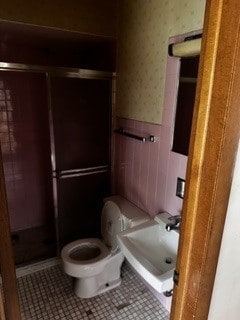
x: 89, y: 264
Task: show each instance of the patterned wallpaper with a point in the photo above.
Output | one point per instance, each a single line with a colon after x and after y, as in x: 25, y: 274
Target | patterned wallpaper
x: 144, y: 29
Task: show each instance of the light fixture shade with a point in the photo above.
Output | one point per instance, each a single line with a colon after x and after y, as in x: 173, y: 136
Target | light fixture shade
x: 189, y: 48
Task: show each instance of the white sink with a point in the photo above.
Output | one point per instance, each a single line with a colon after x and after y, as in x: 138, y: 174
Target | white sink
x: 152, y: 251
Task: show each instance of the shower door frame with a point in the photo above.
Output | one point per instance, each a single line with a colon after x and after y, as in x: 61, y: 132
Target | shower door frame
x: 66, y: 73
x: 80, y: 74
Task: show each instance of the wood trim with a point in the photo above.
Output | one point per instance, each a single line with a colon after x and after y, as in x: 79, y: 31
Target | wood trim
x: 2, y: 315
x: 7, y: 267
x: 213, y: 146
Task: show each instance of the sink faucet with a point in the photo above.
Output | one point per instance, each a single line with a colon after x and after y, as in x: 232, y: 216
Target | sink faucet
x: 174, y: 224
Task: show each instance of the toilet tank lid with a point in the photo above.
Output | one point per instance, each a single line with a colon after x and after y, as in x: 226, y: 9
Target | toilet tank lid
x: 128, y: 209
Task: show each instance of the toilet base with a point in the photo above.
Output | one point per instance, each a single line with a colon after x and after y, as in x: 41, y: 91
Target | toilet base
x: 107, y: 279
x: 88, y: 287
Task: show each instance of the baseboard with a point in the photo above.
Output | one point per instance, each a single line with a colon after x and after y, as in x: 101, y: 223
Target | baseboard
x: 34, y: 267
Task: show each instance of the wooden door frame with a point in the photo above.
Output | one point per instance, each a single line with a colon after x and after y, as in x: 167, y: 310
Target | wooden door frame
x: 2, y: 313
x: 213, y: 147
x: 9, y: 300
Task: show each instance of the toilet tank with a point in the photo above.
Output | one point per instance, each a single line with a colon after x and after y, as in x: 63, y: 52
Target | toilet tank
x: 119, y: 214
x: 131, y: 214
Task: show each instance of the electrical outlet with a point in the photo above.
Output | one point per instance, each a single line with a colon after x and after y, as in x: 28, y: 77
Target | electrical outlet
x: 180, y: 188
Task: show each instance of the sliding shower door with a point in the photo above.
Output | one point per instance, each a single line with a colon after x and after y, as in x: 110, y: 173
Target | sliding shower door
x: 24, y: 133
x: 56, y: 175
x: 81, y: 142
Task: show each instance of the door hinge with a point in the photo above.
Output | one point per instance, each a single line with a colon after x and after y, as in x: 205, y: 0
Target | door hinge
x: 176, y: 277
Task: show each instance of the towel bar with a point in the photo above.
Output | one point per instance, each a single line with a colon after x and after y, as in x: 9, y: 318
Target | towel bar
x: 150, y: 138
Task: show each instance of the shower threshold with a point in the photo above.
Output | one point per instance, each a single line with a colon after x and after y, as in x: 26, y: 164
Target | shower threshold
x: 33, y: 245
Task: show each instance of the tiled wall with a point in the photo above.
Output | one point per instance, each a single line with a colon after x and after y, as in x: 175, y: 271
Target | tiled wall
x: 24, y: 136
x: 146, y: 173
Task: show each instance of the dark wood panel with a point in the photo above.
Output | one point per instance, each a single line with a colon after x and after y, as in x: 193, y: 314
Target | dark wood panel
x: 183, y: 119
x: 185, y: 105
x: 2, y: 313
x: 7, y: 267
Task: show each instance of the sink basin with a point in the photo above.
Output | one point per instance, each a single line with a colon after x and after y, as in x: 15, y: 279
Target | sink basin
x: 152, y: 251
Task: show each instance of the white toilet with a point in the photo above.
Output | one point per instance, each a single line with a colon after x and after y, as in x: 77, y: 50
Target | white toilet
x: 95, y: 264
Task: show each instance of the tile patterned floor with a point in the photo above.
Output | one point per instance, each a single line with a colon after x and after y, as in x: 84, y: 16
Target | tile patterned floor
x: 48, y: 295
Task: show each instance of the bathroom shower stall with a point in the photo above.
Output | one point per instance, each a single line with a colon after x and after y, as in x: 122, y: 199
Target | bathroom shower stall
x: 55, y: 126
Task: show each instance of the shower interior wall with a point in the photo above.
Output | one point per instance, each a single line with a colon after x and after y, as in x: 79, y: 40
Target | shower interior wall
x: 26, y: 148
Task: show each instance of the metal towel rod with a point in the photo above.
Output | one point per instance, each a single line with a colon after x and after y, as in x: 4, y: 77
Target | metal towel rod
x: 150, y: 138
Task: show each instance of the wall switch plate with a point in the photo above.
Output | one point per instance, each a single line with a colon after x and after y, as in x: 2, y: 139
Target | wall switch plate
x: 180, y: 188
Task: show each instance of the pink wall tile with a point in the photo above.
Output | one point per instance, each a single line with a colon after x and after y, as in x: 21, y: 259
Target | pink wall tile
x: 183, y: 166
x: 172, y: 202
x: 25, y: 149
x: 136, y: 167
x: 152, y: 177
x: 146, y: 173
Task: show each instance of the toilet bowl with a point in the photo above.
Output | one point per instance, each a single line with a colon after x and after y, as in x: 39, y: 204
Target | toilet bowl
x: 85, y: 257
x: 96, y: 264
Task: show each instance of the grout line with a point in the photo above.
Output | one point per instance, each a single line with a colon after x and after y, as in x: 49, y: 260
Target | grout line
x: 49, y: 295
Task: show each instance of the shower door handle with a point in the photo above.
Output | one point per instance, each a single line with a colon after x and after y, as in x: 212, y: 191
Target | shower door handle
x: 72, y: 173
